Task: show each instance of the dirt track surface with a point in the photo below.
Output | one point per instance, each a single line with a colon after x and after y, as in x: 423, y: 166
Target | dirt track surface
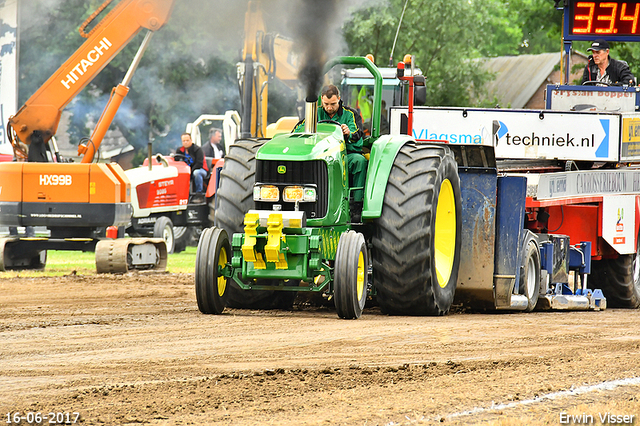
x: 134, y: 349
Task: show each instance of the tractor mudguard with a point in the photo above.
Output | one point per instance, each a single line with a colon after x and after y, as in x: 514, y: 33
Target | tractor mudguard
x: 383, y: 153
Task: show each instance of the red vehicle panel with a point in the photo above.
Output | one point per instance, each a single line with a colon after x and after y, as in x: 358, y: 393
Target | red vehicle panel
x: 165, y: 192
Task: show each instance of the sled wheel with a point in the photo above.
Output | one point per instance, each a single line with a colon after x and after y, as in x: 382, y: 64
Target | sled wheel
x: 350, y: 277
x: 214, y: 251
x: 529, y: 284
x: 619, y: 279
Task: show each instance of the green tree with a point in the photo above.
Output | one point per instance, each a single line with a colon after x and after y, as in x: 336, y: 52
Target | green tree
x: 447, y: 36
x: 541, y: 25
x: 441, y: 34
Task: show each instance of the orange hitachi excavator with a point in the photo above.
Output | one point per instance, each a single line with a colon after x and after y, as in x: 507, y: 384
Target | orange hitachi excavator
x: 77, y: 201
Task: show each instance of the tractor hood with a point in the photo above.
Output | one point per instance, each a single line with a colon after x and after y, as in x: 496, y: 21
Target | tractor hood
x: 328, y: 141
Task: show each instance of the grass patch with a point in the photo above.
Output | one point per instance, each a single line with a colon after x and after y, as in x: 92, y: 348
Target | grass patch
x: 60, y: 263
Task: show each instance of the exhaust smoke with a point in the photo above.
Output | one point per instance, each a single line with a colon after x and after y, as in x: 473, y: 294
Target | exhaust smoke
x: 316, y: 31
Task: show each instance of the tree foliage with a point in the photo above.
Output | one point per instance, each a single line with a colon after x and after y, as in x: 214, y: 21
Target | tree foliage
x: 440, y: 34
x: 538, y: 23
x: 445, y: 36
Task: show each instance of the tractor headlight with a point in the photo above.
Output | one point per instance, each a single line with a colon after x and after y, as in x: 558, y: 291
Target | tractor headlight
x: 293, y: 193
x: 310, y: 194
x: 266, y: 193
x: 299, y: 193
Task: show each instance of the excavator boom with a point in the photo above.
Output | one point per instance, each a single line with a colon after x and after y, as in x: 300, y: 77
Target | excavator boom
x: 41, y: 113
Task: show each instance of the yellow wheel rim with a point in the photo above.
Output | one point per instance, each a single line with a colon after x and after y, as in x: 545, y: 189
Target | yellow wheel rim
x: 360, y: 278
x: 222, y: 280
x: 445, y: 236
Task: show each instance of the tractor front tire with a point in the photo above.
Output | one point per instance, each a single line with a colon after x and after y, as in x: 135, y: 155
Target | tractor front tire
x: 213, y: 251
x: 416, y: 242
x: 619, y: 279
x: 350, y: 276
x: 234, y: 198
x: 163, y: 228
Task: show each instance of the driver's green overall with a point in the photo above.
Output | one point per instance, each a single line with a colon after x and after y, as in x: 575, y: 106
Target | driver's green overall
x: 356, y: 163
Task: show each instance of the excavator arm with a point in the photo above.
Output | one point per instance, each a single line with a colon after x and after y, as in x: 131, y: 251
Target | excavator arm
x: 40, y: 115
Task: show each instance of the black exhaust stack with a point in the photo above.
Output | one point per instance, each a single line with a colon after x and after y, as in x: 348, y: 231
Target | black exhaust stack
x: 311, y: 115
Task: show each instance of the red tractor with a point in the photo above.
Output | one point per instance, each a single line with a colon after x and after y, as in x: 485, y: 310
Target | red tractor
x: 161, y: 189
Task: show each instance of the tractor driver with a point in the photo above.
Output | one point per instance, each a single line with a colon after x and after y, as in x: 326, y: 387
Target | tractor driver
x: 351, y: 124
x: 192, y: 154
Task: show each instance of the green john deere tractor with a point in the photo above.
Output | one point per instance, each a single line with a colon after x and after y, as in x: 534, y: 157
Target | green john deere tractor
x: 284, y: 223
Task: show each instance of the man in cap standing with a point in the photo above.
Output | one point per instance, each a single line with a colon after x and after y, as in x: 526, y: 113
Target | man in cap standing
x: 605, y: 69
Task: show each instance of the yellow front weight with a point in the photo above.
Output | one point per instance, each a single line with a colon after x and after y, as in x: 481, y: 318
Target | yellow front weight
x: 251, y: 223
x: 272, y: 249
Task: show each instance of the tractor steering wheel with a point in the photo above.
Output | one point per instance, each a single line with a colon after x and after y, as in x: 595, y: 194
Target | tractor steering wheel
x: 346, y: 137
x: 329, y: 121
x: 594, y: 83
x: 179, y: 157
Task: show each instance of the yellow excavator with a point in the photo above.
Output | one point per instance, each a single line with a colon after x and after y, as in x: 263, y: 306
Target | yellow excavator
x: 77, y: 201
x: 264, y: 56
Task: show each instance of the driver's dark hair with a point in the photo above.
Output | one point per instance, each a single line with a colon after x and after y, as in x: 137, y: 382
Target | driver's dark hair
x: 185, y: 134
x: 330, y: 91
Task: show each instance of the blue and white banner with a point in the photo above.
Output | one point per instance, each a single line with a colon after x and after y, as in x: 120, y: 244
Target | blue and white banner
x: 521, y: 134
x: 8, y: 68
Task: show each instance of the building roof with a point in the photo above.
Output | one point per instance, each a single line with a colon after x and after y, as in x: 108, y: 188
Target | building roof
x: 517, y: 78
x: 114, y: 143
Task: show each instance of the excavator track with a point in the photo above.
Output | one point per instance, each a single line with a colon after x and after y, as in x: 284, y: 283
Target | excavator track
x: 21, y: 253
x: 125, y: 254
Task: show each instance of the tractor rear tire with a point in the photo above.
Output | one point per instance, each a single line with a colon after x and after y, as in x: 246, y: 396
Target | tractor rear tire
x: 529, y: 285
x: 182, y: 235
x: 211, y: 288
x: 619, y: 279
x: 350, y: 276
x: 212, y: 210
x: 234, y: 198
x: 163, y: 228
x: 416, y: 242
